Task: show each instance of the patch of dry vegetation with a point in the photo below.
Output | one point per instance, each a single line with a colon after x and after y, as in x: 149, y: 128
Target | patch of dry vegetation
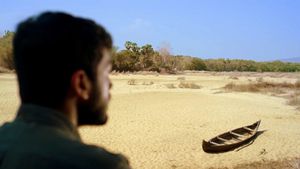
x: 170, y: 86
x: 294, y: 100
x: 181, y: 78
x: 259, y: 79
x: 132, y: 82
x: 183, y: 85
x: 297, y: 84
x: 234, y: 78
x: 188, y: 85
x: 148, y: 83
x: 240, y: 87
x: 261, y: 86
x: 5, y: 70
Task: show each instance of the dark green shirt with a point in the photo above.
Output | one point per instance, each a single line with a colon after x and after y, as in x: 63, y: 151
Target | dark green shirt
x: 42, y: 138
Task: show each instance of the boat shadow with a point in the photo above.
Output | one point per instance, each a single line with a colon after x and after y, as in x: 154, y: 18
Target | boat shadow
x: 258, y: 133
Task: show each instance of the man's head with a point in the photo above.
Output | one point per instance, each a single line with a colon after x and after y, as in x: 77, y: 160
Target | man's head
x: 60, y: 58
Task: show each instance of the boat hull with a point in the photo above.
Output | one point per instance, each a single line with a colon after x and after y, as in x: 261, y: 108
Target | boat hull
x: 212, y: 146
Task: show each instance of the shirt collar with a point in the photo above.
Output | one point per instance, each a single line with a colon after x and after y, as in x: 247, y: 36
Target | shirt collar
x: 41, y: 115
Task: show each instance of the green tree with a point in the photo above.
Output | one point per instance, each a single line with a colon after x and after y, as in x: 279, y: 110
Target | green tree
x: 6, y: 52
x: 146, y: 57
x: 197, y: 64
x: 133, y: 47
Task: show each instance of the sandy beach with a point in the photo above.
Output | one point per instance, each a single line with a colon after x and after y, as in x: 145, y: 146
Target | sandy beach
x: 158, y: 125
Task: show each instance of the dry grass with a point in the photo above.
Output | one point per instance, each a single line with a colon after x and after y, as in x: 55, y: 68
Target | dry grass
x: 234, y: 78
x: 297, y: 84
x: 5, y: 70
x: 260, y: 79
x: 171, y: 86
x: 148, y: 83
x: 272, y: 88
x: 181, y: 78
x: 262, y: 86
x: 294, y: 100
x: 188, y: 85
x: 132, y: 82
x: 241, y: 88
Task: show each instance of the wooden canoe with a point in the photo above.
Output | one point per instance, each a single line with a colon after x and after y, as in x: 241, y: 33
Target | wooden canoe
x: 231, y: 139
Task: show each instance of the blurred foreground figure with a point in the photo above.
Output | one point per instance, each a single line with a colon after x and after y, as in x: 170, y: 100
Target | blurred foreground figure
x: 63, y: 65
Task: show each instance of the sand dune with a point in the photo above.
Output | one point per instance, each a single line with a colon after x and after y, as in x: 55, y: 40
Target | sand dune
x: 160, y: 127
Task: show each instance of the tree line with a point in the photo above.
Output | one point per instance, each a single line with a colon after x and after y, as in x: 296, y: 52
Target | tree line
x: 145, y: 58
x: 6, y: 53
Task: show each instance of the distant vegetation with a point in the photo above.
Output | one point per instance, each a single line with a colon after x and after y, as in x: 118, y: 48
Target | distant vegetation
x: 264, y: 86
x: 6, y: 59
x: 145, y: 58
x: 282, y: 89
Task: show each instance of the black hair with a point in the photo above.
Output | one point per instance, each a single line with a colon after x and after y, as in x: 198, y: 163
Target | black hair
x: 49, y: 48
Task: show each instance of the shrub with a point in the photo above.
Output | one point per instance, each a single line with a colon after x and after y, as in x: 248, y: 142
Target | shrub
x: 188, y: 85
x: 271, y: 87
x: 132, y: 82
x: 181, y: 78
x: 234, y: 78
x: 294, y: 100
x: 260, y: 79
x: 297, y: 84
x: 170, y: 86
x: 148, y: 83
x: 241, y: 88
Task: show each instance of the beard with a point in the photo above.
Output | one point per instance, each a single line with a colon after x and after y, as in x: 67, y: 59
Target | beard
x: 92, y: 111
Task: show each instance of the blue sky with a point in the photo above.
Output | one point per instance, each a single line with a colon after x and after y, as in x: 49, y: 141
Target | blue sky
x: 261, y: 30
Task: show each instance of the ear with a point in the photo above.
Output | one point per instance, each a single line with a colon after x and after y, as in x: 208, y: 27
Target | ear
x: 81, y: 85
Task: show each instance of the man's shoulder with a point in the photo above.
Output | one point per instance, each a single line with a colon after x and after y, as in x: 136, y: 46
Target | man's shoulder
x: 90, y: 156
x: 95, y: 157
x: 47, y: 146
